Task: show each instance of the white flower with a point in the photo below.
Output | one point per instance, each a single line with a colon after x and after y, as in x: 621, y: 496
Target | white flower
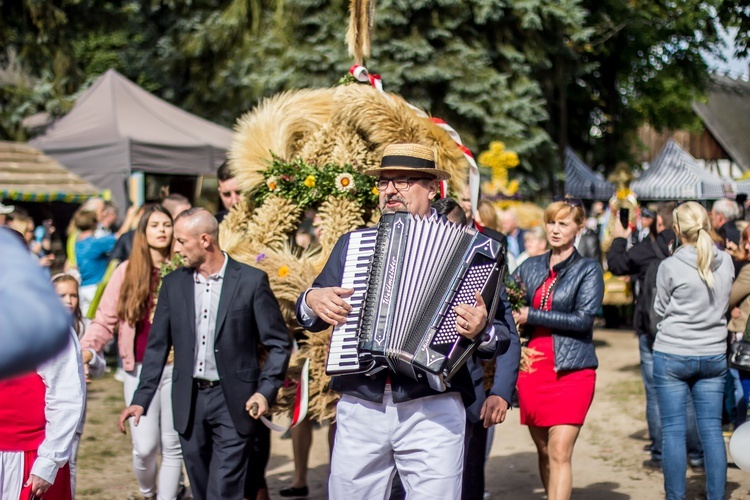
x: 272, y: 183
x: 344, y: 182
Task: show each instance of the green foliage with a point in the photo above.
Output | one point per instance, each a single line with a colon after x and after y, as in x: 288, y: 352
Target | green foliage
x: 642, y: 63
x: 536, y: 74
x: 308, y: 185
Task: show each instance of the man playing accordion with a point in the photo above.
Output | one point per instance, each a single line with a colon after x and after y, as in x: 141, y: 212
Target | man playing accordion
x: 386, y: 420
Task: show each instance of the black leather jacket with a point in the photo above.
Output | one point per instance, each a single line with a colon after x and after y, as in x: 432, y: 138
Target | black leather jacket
x: 576, y: 299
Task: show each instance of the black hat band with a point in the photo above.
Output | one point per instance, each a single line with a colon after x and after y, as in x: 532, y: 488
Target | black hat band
x: 406, y: 161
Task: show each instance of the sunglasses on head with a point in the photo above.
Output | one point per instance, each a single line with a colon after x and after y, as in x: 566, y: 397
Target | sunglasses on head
x: 573, y: 202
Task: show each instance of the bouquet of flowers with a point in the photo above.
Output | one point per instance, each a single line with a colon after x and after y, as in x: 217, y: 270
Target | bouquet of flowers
x: 517, y: 299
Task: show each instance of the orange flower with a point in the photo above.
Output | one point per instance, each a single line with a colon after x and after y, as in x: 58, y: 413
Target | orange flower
x: 375, y: 191
x: 283, y: 271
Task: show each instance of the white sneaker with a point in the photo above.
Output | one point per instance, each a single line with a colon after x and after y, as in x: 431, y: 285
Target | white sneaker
x: 487, y: 495
x: 120, y: 375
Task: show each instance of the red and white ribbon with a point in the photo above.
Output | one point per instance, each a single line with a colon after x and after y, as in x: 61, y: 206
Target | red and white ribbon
x: 362, y: 75
x: 301, y: 400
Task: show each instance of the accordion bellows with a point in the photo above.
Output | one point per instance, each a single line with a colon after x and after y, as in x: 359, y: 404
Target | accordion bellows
x: 408, y: 274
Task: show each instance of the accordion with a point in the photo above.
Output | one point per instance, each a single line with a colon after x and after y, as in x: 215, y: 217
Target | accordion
x: 408, y: 273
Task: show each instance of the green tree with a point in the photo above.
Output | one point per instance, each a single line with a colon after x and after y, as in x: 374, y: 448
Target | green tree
x: 642, y: 63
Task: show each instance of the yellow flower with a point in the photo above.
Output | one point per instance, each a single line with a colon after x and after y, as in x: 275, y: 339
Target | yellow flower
x: 375, y: 191
x: 271, y: 183
x: 283, y: 272
x: 310, y: 181
x: 623, y: 193
x: 510, y: 159
x: 344, y: 182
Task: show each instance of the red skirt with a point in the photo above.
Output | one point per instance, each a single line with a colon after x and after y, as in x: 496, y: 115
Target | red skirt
x: 60, y: 489
x: 548, y: 398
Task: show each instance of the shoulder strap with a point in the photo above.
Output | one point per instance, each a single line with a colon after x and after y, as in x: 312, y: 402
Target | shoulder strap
x: 657, y: 249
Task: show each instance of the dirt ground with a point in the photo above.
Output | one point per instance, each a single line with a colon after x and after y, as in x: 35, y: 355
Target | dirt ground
x: 607, y: 463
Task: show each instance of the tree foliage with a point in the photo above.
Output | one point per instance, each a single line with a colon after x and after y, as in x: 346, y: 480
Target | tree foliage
x: 537, y: 74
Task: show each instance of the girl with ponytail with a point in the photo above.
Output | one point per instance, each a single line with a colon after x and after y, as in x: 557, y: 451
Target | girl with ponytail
x: 692, y: 294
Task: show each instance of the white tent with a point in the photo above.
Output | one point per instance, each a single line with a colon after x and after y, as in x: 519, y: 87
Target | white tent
x: 675, y: 175
x: 582, y: 182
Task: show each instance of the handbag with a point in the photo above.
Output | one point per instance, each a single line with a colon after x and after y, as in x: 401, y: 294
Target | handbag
x: 739, y: 355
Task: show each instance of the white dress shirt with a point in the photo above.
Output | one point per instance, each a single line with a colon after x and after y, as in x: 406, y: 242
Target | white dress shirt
x: 207, y: 294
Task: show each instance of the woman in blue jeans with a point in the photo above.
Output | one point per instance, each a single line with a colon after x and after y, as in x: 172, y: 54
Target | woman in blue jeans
x: 692, y: 293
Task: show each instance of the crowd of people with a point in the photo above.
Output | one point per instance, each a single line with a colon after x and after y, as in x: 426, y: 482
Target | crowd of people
x: 203, y: 348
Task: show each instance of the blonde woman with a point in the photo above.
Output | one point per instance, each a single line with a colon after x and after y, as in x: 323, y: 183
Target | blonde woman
x: 486, y: 215
x: 535, y: 243
x: 692, y: 294
x: 564, y: 292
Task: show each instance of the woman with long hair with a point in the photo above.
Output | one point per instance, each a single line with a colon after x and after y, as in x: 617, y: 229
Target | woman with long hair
x: 128, y: 303
x: 692, y: 295
x: 564, y: 292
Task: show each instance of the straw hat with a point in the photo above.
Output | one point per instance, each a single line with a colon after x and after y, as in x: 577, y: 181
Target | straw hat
x: 409, y: 158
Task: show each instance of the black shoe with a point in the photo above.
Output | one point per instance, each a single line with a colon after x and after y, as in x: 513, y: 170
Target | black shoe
x: 652, y: 464
x: 647, y: 448
x: 294, y: 492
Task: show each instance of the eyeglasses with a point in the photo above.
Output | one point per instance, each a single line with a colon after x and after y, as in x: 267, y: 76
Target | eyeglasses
x: 400, y: 183
x: 573, y: 202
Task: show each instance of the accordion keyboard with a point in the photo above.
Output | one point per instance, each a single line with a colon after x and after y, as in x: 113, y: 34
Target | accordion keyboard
x: 342, y: 355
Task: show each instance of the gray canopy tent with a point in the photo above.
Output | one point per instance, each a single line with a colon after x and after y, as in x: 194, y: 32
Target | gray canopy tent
x: 582, y: 182
x: 675, y: 175
x: 116, y: 127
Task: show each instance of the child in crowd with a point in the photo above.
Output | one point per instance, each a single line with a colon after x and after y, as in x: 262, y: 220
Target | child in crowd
x: 66, y: 287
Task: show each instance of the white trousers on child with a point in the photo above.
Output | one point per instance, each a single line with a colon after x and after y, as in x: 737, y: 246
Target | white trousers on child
x: 422, y: 439
x: 154, y: 431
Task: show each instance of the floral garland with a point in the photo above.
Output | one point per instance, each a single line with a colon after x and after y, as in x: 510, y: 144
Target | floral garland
x: 307, y: 185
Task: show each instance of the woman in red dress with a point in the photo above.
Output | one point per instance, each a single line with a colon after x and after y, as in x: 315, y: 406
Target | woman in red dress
x: 565, y: 291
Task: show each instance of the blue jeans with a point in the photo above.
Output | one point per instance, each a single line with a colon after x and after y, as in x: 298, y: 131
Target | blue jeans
x: 694, y: 448
x: 675, y: 377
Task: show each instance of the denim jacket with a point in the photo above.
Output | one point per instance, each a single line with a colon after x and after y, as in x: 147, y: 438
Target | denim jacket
x: 576, y: 299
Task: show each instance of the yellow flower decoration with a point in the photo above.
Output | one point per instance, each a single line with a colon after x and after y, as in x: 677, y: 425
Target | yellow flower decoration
x: 375, y: 191
x: 499, y: 160
x: 310, y: 181
x: 271, y: 182
x: 283, y: 272
x: 623, y: 193
x: 497, y: 157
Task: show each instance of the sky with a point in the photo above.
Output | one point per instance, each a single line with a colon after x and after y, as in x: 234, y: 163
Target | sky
x: 737, y: 68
